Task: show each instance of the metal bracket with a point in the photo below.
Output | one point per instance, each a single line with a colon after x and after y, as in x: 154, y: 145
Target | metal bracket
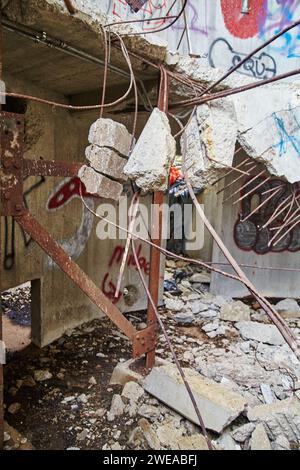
x: 144, y: 341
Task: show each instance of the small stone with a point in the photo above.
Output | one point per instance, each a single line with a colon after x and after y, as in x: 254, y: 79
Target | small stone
x: 268, y: 334
x: 92, y: 381
x: 203, y: 278
x: 235, y: 312
x: 175, y: 305
x: 149, y: 411
x: 210, y: 327
x: 117, y: 407
x: 14, y: 408
x: 188, y: 356
x: 243, y: 433
x: 82, y: 398
x: 132, y: 391
x: 184, y: 318
x: 82, y: 435
x: 259, y: 439
x: 288, y: 308
x: 6, y: 436
x: 42, y: 375
x: 28, y: 381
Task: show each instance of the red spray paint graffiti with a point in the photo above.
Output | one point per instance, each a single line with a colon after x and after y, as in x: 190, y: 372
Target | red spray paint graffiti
x: 108, y: 286
x: 244, y: 25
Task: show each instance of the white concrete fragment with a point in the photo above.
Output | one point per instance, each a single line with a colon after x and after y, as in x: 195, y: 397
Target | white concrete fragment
x: 280, y: 418
x: 112, y: 134
x: 267, y: 393
x: 208, y: 143
x: 100, y: 185
x: 150, y: 161
x: 243, y: 433
x: 288, y: 308
x: 132, y: 391
x: 268, y: 334
x: 269, y: 127
x: 235, y: 311
x: 117, y: 408
x: 218, y: 405
x: 106, y: 161
x: 259, y: 439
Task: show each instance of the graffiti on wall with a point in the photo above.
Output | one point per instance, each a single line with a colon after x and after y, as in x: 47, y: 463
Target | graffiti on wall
x: 9, y: 252
x: 218, y: 28
x: 108, y: 285
x: 262, y: 66
x: 250, y: 235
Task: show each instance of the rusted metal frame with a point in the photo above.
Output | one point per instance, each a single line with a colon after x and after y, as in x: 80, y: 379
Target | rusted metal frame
x: 73, y: 271
x: 155, y: 256
x: 14, y: 168
x: 70, y: 7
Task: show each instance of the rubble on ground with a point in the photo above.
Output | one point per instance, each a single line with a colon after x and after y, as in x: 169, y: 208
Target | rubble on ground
x: 248, y: 392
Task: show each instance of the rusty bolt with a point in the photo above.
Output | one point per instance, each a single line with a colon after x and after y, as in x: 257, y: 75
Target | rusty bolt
x: 18, y: 207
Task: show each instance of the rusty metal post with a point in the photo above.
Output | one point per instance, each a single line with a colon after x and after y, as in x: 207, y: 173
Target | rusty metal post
x: 155, y: 255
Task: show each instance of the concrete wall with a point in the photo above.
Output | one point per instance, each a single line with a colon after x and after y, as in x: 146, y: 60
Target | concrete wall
x: 58, y: 304
x: 221, y: 34
x: 248, y: 245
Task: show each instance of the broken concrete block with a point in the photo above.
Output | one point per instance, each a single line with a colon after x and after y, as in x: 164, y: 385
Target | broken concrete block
x: 117, y: 408
x: 132, y: 391
x: 111, y: 134
x: 218, y: 405
x: 273, y: 113
x: 194, y: 442
x: 208, y: 144
x: 235, y: 311
x: 280, y: 418
x: 268, y: 334
x: 243, y: 433
x: 150, y: 161
x: 106, y: 161
x: 99, y: 185
x: 288, y: 308
x: 259, y: 439
x: 149, y: 434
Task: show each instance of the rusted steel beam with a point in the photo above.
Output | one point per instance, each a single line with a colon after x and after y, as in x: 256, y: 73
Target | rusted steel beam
x: 74, y: 272
x: 155, y: 256
x: 50, y: 168
x: 70, y: 7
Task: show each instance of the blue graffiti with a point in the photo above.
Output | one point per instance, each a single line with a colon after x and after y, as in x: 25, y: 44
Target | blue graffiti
x: 286, y: 138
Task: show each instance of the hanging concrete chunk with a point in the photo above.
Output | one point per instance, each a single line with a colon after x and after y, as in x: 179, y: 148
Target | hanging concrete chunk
x: 149, y: 164
x: 281, y: 418
x: 269, y: 127
x: 106, y: 161
x: 99, y: 185
x: 112, y: 134
x: 218, y: 405
x: 208, y: 143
